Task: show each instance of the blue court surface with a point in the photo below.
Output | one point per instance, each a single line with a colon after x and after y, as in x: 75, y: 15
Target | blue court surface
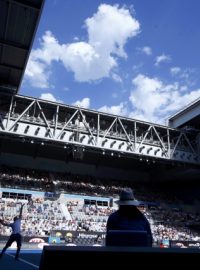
x: 29, y: 260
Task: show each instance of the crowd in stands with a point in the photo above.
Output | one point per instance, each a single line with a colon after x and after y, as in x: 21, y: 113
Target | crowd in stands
x: 67, y: 182
x: 41, y: 216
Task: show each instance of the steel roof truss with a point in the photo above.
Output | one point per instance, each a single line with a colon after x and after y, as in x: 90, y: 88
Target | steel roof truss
x: 87, y: 126
x: 164, y: 149
x: 45, y: 120
x: 127, y: 136
x: 56, y: 120
x: 186, y: 138
x: 144, y: 138
x: 178, y: 140
x: 108, y: 130
x: 66, y: 124
x: 1, y: 123
x: 21, y: 115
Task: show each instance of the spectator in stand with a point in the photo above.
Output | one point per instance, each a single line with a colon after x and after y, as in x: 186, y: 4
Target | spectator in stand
x: 128, y: 217
x: 15, y: 235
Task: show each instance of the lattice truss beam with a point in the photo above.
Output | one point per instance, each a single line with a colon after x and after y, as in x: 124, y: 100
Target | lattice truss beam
x: 39, y: 120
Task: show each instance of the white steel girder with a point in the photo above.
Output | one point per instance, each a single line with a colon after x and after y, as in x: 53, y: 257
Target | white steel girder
x: 44, y: 120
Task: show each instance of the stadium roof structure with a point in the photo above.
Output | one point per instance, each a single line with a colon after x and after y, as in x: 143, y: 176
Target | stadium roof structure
x: 18, y: 23
x: 188, y: 117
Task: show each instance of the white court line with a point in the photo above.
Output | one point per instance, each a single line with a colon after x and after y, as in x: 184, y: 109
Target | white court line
x: 22, y: 260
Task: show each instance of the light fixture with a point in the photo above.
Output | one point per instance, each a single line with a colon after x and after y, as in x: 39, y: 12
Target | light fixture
x: 148, y: 150
x: 26, y: 129
x: 16, y: 127
x: 37, y: 131
x: 182, y: 155
x: 156, y: 151
x: 112, y: 143
x: 47, y: 133
x: 82, y: 138
x: 103, y: 142
x: 71, y: 136
x: 120, y: 145
x: 164, y: 152
x: 62, y: 135
x: 129, y: 146
x: 90, y: 139
x: 141, y: 148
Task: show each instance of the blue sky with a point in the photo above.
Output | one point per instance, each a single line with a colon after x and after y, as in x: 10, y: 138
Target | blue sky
x: 138, y: 58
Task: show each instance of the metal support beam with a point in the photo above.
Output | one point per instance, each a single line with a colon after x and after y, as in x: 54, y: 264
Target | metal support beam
x: 111, y: 133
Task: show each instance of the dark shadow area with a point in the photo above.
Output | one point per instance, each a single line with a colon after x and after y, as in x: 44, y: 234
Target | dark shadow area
x: 93, y: 257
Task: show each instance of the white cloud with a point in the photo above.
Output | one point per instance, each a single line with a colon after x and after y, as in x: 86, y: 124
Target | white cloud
x: 50, y: 49
x: 146, y: 50
x: 38, y: 67
x: 37, y: 74
x: 110, y: 28
x: 136, y: 68
x: 163, y: 58
x: 96, y: 58
x: 115, y: 95
x: 66, y: 88
x: 84, y: 103
x: 146, y: 97
x: 175, y: 70
x: 154, y: 101
x: 184, y: 88
x: 76, y: 38
x: 90, y: 60
x: 116, y: 78
x: 179, y: 101
x: 188, y: 76
x: 49, y: 97
x: 118, y: 109
x: 86, y: 63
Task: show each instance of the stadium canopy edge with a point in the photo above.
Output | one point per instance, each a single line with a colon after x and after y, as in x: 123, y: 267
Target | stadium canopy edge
x: 18, y: 24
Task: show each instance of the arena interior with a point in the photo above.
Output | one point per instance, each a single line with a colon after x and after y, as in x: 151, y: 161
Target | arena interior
x: 68, y: 164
